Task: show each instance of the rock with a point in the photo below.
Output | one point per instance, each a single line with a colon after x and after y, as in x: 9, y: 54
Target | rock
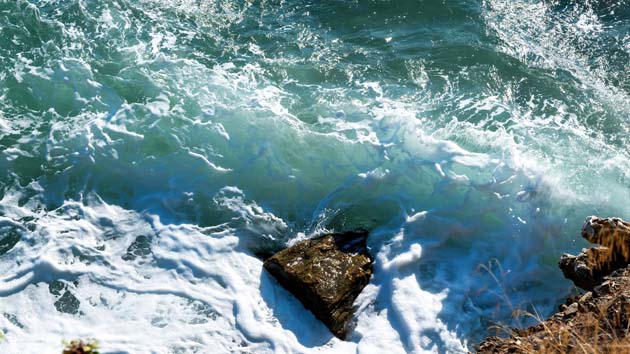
x: 326, y: 274
x: 581, y: 270
x: 570, y: 310
x: 595, y: 322
x: 589, y: 268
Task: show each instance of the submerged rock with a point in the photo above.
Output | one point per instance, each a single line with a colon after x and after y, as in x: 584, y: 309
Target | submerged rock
x: 66, y: 301
x: 326, y: 274
x: 589, y: 268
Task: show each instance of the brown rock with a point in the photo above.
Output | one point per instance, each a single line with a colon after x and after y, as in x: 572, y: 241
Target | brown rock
x: 589, y: 268
x: 326, y: 274
x: 595, y: 322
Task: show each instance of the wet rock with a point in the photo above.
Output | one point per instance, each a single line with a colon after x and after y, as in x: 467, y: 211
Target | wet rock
x: 326, y: 274
x: 66, y: 301
x: 589, y: 268
x: 140, y: 247
x: 9, y: 237
x: 13, y: 319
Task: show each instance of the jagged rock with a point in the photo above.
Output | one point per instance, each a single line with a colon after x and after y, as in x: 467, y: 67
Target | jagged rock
x: 589, y: 268
x: 595, y: 322
x: 326, y: 274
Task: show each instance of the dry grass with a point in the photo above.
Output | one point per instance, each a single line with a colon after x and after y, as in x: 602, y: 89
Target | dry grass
x: 597, y: 322
x: 593, y: 324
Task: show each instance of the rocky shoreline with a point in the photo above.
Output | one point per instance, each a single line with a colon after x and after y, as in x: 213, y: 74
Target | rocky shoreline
x: 597, y: 321
x: 327, y: 274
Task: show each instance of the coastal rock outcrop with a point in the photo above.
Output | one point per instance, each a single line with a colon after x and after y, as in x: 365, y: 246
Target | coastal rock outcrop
x: 597, y: 321
x: 326, y: 274
x: 589, y: 268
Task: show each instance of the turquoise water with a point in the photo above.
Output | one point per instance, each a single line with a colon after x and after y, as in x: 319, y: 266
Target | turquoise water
x: 150, y: 149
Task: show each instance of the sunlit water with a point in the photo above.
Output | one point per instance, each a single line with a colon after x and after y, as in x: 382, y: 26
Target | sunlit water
x: 152, y: 150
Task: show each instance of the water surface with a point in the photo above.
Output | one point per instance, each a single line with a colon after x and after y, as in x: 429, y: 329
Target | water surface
x: 150, y: 149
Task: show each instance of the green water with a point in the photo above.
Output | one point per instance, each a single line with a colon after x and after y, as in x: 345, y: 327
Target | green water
x: 508, y: 122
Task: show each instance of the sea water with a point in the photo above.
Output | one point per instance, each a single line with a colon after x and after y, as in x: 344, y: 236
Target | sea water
x: 151, y: 151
